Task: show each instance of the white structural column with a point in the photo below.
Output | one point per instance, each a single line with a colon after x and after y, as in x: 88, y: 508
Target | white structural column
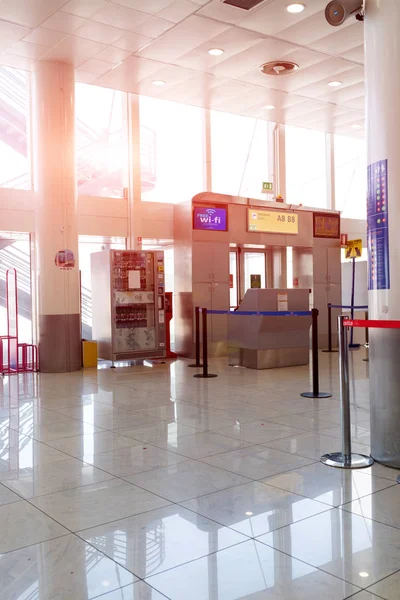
x: 382, y: 48
x: 53, y: 128
x: 135, y: 182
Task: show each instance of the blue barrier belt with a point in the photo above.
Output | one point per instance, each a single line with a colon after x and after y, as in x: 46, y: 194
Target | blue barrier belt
x: 349, y: 307
x: 260, y: 313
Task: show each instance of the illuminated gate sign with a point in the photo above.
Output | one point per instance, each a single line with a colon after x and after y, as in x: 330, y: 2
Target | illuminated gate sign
x: 272, y: 221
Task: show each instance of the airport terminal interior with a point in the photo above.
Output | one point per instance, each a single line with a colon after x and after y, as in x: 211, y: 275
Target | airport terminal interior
x: 199, y: 380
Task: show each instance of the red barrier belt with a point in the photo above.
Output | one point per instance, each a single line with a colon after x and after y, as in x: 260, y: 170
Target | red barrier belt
x: 371, y: 324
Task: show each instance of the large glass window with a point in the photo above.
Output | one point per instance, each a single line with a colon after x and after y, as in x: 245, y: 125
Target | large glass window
x: 172, y: 164
x: 14, y: 108
x: 242, y: 155
x: 101, y: 141
x: 350, y: 177
x: 88, y: 244
x: 15, y: 254
x: 306, y: 173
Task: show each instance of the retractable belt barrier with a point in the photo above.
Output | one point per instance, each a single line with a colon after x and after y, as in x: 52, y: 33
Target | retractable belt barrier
x: 315, y: 393
x: 345, y: 307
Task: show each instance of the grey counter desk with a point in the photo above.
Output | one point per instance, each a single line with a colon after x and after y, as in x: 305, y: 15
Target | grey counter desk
x: 267, y: 342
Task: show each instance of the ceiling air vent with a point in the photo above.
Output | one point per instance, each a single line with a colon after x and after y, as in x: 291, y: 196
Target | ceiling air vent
x: 277, y: 68
x: 244, y: 4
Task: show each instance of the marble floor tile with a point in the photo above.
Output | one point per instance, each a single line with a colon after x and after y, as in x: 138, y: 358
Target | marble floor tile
x: 308, y: 423
x: 255, y: 508
x: 364, y: 596
x: 108, y: 417
x: 329, y: 485
x: 313, y: 445
x: 58, y: 569
x: 182, y: 535
x: 185, y: 480
x: 381, y: 471
x: 388, y: 588
x: 195, y: 416
x: 96, y: 504
x: 384, y: 506
x: 135, y: 459
x: 55, y: 431
x: 53, y: 477
x: 25, y: 453
x: 359, y: 434
x: 7, y: 496
x: 256, y: 462
x: 85, y: 446
x: 161, y: 431
x: 136, y: 591
x: 204, y: 444
x: 21, y: 525
x: 259, y: 432
x: 250, y: 570
x: 353, y: 548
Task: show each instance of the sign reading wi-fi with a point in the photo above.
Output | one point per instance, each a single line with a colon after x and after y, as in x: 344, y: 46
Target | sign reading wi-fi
x: 210, y: 218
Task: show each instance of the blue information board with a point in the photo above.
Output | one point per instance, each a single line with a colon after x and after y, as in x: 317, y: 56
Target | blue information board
x: 378, y: 226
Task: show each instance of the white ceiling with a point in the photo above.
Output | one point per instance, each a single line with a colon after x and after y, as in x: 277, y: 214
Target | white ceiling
x: 127, y: 44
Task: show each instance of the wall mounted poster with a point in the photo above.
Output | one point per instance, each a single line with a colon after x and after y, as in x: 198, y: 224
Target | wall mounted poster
x: 255, y: 281
x: 326, y: 225
x: 378, y: 227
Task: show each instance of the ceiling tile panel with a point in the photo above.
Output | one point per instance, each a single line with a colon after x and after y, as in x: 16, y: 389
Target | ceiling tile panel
x: 154, y: 27
x: 342, y: 40
x: 113, y: 54
x: 83, y: 8
x: 94, y: 65
x: 151, y: 7
x: 120, y: 16
x: 98, y: 32
x: 44, y: 37
x: 182, y: 39
x: 178, y: 10
x: 132, y: 42
x: 10, y: 34
x: 233, y: 41
x: 29, y: 13
x: 74, y: 50
x: 223, y: 12
x: 64, y: 22
x: 272, y: 17
x: 28, y: 50
x: 310, y: 30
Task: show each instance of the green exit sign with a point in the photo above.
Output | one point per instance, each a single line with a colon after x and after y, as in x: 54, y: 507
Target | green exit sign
x: 267, y: 186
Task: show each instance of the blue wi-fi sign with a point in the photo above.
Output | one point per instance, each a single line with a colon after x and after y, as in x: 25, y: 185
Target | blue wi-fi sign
x: 212, y: 219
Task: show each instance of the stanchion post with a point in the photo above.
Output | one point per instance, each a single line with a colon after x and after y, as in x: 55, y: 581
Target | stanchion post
x: 345, y: 459
x: 330, y: 349
x: 315, y: 365
x: 205, y: 374
x: 367, y: 340
x: 197, y: 364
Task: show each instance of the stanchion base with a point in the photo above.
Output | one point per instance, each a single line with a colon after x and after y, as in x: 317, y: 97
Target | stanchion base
x: 312, y: 395
x: 201, y: 376
x: 194, y: 366
x: 330, y: 351
x: 357, y: 461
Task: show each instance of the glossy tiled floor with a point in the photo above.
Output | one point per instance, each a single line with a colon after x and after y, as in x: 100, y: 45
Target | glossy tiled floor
x: 145, y: 483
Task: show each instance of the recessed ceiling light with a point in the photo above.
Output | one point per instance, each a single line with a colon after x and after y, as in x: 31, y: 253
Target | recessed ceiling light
x: 364, y: 574
x: 295, y: 8
x: 159, y: 82
x: 269, y: 107
x: 335, y: 83
x: 216, y: 51
x: 249, y: 514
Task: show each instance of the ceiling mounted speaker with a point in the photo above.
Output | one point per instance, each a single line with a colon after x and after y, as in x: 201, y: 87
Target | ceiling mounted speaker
x: 243, y: 4
x: 337, y: 11
x: 277, y: 68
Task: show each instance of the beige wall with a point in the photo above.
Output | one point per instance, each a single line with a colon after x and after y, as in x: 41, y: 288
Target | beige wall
x: 96, y: 215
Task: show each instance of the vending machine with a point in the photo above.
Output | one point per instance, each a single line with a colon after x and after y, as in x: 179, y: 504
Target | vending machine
x: 128, y: 304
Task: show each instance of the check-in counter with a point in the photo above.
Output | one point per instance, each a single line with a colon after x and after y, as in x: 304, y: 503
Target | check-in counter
x: 267, y: 342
